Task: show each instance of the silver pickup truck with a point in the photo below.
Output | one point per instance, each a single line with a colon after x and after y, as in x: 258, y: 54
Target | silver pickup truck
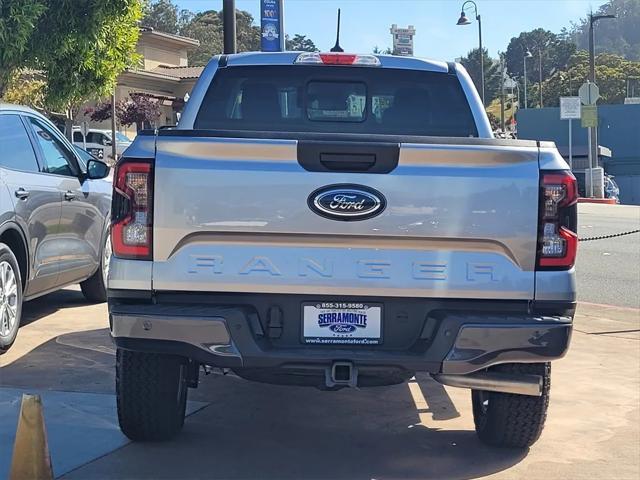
x: 338, y: 220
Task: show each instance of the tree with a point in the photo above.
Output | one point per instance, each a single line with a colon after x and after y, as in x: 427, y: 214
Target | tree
x: 140, y: 110
x: 18, y: 19
x: 248, y: 34
x: 493, y: 121
x: 491, y: 73
x: 161, y: 15
x: 100, y: 113
x: 612, y: 72
x: 379, y: 51
x: 300, y: 43
x: 82, y: 55
x: 207, y: 28
x: 26, y: 87
x: 620, y: 35
x: 556, y: 51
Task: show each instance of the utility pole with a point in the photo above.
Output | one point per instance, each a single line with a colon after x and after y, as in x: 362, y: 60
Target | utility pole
x: 283, y: 36
x: 540, y: 73
x: 502, y: 93
x: 229, y: 25
x: 481, y: 56
x: 525, y: 81
x: 593, y: 131
x: 114, y: 143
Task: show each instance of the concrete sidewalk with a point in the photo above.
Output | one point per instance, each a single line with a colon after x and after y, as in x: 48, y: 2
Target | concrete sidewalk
x: 416, y: 430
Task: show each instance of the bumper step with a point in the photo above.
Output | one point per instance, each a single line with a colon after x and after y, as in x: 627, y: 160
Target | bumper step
x: 495, y: 382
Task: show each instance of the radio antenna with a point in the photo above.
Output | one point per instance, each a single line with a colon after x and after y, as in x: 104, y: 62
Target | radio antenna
x: 337, y: 47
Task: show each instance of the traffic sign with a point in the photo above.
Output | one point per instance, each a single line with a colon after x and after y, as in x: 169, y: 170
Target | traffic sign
x: 589, y: 93
x: 589, y: 116
x: 84, y: 128
x: 569, y: 108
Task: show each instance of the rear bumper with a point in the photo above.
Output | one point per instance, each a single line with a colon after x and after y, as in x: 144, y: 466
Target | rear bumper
x: 447, y: 337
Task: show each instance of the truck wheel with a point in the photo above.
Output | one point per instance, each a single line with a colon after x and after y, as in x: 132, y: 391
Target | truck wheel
x: 509, y: 420
x: 10, y: 298
x: 94, y: 288
x: 151, y: 392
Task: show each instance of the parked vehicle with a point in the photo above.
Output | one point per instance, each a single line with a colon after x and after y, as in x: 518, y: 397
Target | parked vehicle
x: 100, y: 141
x: 339, y: 220
x: 92, y: 150
x: 54, y: 211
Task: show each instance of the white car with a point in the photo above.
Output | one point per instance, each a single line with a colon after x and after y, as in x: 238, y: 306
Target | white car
x: 99, y: 141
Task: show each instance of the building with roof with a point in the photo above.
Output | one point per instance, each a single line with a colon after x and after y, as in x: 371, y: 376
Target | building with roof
x: 619, y: 151
x: 163, y: 74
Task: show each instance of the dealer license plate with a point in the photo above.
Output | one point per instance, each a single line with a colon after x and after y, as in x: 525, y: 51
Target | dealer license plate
x: 342, y: 323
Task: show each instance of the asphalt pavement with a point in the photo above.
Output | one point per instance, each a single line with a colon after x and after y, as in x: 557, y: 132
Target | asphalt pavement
x: 608, y: 270
x: 244, y: 430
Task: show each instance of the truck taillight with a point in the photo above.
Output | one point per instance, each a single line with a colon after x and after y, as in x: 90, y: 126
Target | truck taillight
x: 557, y: 237
x: 132, y: 210
x: 336, y: 58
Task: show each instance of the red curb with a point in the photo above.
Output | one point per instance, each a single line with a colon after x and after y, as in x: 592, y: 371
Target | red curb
x: 606, y: 201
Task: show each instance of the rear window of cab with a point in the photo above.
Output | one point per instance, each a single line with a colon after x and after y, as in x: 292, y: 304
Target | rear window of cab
x: 336, y: 99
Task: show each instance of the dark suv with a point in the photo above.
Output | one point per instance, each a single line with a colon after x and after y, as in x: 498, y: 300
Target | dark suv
x: 54, y: 216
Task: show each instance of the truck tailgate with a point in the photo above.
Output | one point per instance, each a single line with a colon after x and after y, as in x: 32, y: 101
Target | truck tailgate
x: 460, y: 222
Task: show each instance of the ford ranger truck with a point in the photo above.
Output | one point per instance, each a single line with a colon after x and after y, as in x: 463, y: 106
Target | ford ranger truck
x: 338, y: 220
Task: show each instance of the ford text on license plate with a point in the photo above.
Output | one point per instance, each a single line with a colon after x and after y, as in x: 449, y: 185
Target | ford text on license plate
x: 342, y: 323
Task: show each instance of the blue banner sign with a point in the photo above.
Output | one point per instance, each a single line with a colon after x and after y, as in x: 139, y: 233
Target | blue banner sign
x: 271, y: 25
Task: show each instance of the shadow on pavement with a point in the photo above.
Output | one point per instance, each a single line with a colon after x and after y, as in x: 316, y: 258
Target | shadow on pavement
x: 270, y: 432
x: 253, y: 430
x: 51, y: 303
x: 59, y: 365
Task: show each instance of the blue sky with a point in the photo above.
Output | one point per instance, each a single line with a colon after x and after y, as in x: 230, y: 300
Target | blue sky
x: 365, y: 23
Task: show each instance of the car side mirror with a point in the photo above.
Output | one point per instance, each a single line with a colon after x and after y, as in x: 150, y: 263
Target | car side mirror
x: 97, y: 169
x: 106, y: 143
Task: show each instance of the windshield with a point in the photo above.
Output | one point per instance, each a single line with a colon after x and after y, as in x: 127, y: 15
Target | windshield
x: 301, y: 98
x: 121, y: 137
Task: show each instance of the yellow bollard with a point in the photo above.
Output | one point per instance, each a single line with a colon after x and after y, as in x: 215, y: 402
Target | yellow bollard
x: 31, y: 460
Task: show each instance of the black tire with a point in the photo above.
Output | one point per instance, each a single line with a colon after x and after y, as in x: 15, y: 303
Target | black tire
x: 9, y: 336
x: 509, y: 420
x: 151, y: 392
x: 94, y: 288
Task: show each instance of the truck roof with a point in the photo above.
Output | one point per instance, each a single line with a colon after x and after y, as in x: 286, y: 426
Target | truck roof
x: 288, y: 58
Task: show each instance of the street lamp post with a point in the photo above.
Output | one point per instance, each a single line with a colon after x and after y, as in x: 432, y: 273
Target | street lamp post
x: 593, y: 131
x: 527, y: 54
x: 463, y: 20
x: 502, y: 124
x: 540, y: 74
x: 592, y: 56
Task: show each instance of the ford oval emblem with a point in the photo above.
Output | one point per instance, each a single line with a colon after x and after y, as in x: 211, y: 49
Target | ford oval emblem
x: 347, y: 202
x: 339, y: 328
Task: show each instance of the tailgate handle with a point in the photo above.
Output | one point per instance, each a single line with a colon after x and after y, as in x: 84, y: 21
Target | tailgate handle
x: 340, y: 162
x: 348, y: 156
